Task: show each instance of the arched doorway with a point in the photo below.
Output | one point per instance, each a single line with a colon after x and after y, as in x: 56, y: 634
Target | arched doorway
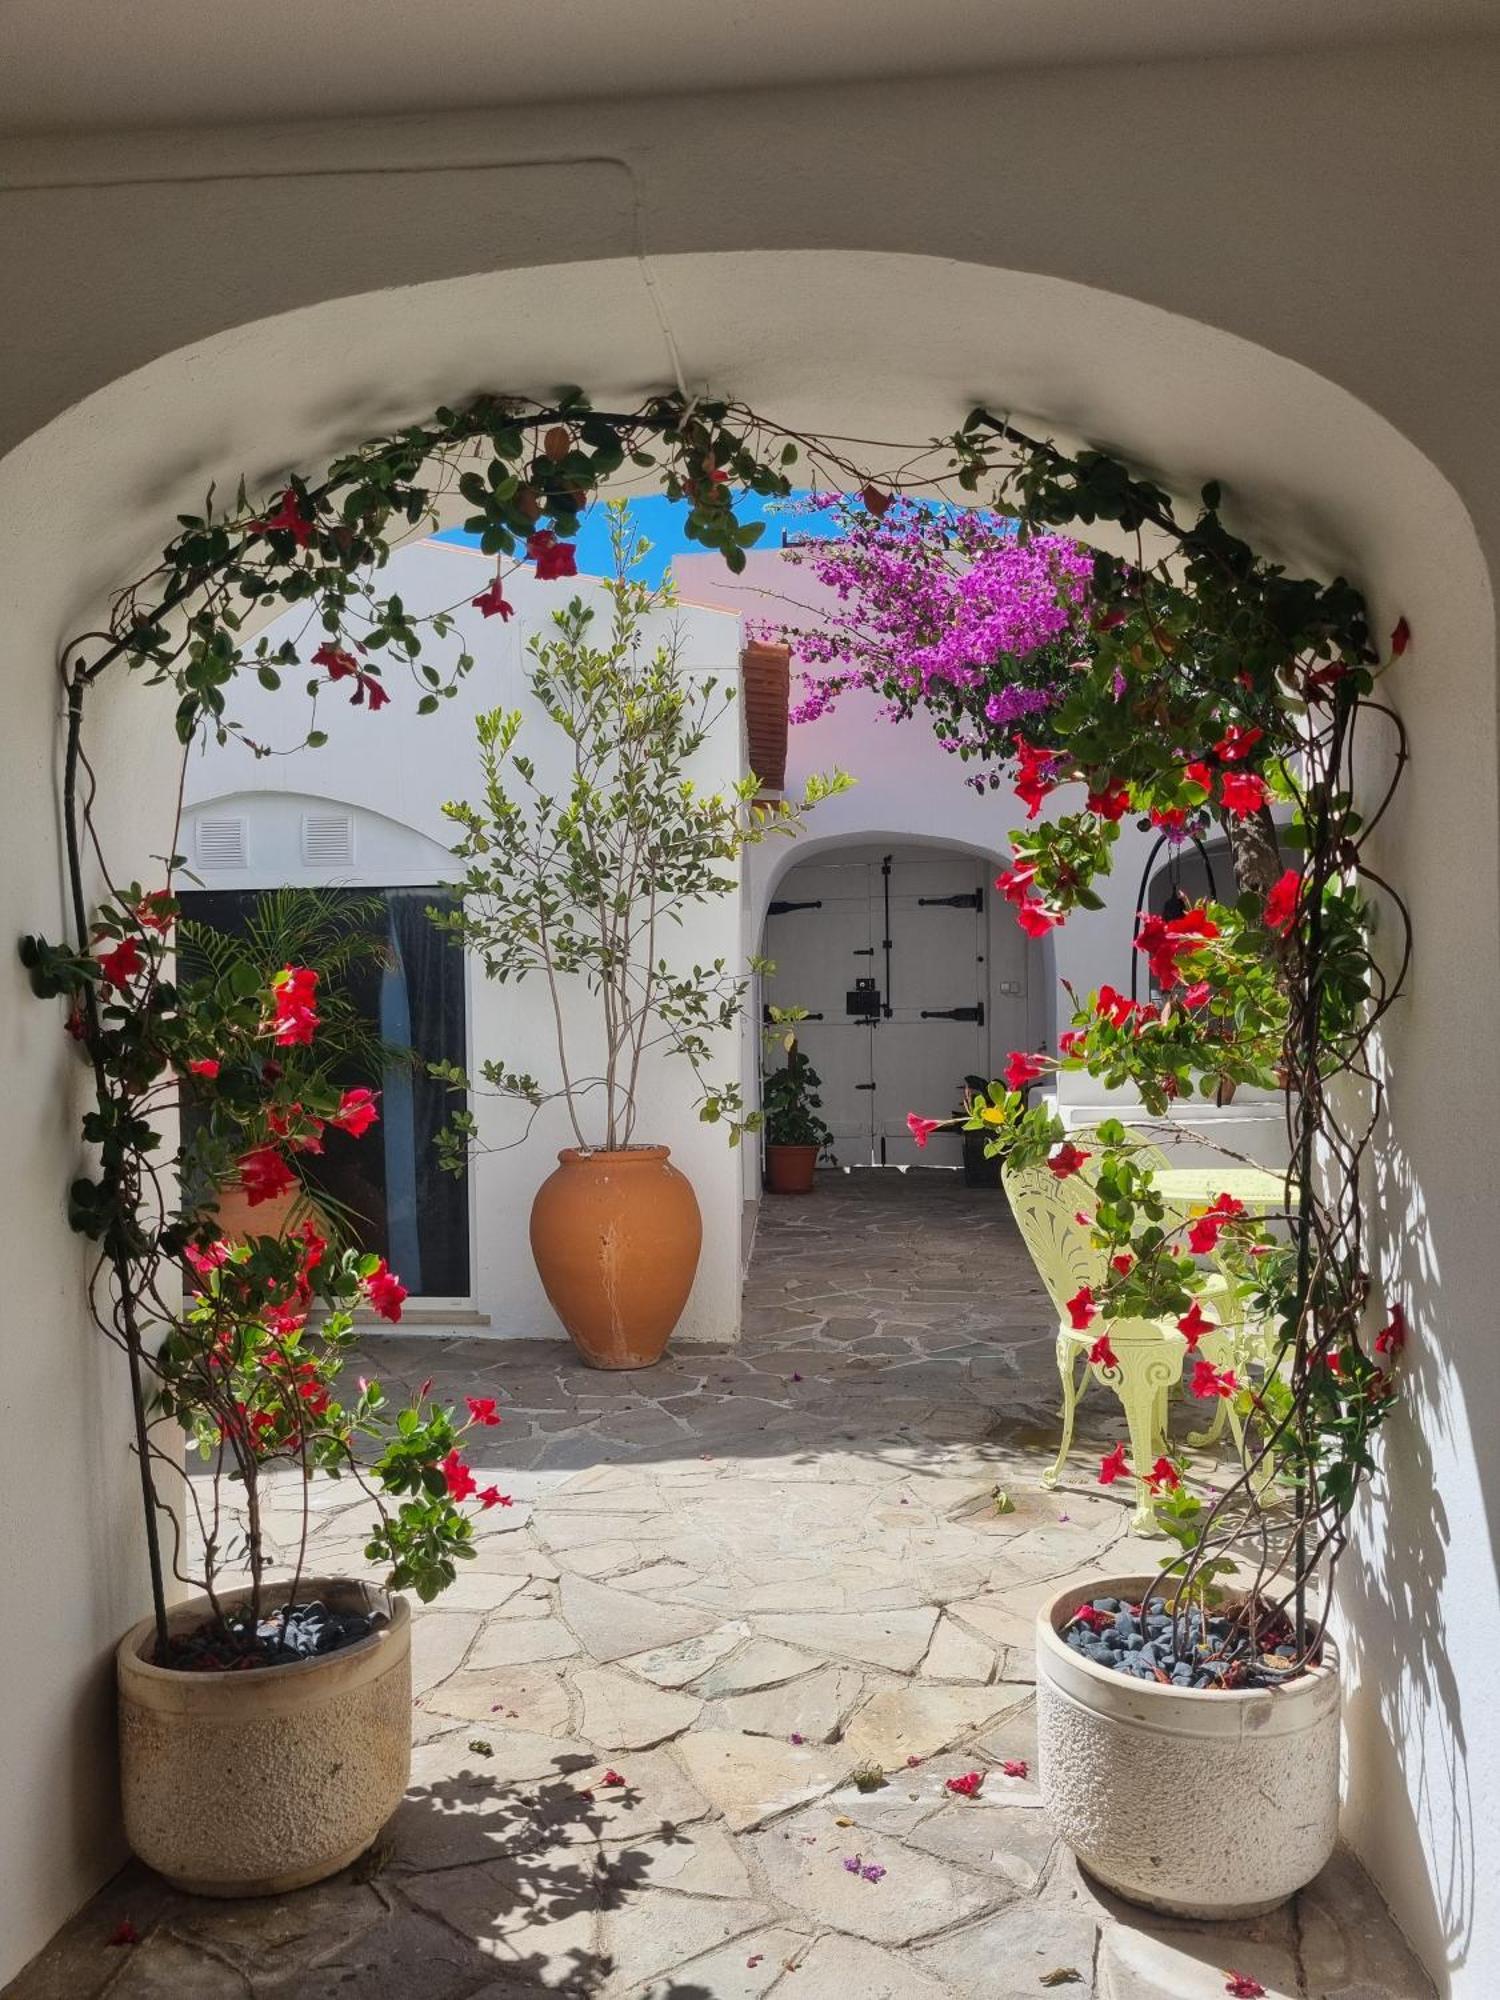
x: 909, y: 980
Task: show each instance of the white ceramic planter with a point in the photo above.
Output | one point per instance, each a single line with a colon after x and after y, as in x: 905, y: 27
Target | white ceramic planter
x: 1203, y: 1804
x: 249, y: 1784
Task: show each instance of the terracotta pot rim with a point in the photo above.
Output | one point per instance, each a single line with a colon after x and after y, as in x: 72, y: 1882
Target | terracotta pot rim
x: 206, y: 1688
x: 1063, y: 1603
x: 629, y: 1156
x: 792, y: 1146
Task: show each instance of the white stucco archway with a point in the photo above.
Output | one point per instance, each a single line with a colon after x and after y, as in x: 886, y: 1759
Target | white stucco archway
x: 1311, y: 472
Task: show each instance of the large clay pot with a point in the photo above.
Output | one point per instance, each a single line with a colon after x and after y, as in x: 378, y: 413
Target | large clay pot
x: 616, y: 1239
x: 1197, y: 1802
x: 790, y: 1169
x: 239, y: 1220
x: 250, y: 1784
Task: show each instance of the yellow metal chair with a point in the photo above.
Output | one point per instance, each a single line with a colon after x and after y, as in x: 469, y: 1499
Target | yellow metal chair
x: 1149, y: 1353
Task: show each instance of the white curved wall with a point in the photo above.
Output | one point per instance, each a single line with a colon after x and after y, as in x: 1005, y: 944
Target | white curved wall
x: 1267, y: 269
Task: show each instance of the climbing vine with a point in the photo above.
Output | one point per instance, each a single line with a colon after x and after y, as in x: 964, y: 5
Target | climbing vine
x: 1210, y: 684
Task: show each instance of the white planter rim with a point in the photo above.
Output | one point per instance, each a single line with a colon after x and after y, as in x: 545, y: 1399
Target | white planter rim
x: 177, y: 1688
x: 1067, y: 1665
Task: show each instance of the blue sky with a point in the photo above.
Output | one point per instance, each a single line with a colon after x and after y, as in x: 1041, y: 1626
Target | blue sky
x: 660, y: 521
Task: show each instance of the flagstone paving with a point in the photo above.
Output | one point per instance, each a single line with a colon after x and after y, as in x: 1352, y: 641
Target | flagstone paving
x: 731, y: 1583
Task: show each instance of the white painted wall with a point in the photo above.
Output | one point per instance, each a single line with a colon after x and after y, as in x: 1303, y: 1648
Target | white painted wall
x: 1269, y: 268
x: 394, y: 771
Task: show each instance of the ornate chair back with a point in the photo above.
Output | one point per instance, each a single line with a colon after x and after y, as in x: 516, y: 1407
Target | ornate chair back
x: 1046, y: 1211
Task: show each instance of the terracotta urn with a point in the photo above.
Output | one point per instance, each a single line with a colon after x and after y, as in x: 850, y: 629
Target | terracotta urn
x: 616, y: 1237
x: 254, y: 1783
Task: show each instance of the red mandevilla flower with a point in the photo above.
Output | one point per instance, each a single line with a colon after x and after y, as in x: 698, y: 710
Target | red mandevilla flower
x: 1020, y: 1070
x: 1236, y: 743
x: 1102, y: 1355
x: 1015, y: 1767
x: 482, y: 1410
x: 1194, y: 1324
x: 1242, y: 793
x: 922, y: 1129
x: 264, y: 1175
x: 1210, y: 1381
x: 385, y: 1291
x: 1081, y: 1308
x: 1393, y: 1338
x: 1281, y: 902
x: 1113, y: 1466
x: 552, y: 557
x: 491, y: 601
x: 1203, y: 1236
x: 1242, y: 1987
x: 967, y: 1786
x: 1066, y: 1160
x: 460, y: 1480
x: 340, y: 664
x: 293, y: 1000
x: 1163, y: 1473
x: 289, y: 519
x: 205, y: 1066
x: 493, y: 1497
x: 120, y: 966
x: 356, y: 1112
x: 1110, y: 801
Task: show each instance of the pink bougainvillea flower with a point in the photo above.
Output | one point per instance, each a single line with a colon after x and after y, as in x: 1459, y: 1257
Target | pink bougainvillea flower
x: 124, y: 1932
x: 356, y: 1112
x: 1021, y: 1069
x: 294, y: 1004
x: 1015, y: 1767
x: 340, y: 663
x: 1102, y: 1354
x: 1243, y: 1987
x: 1066, y: 1160
x: 967, y: 1786
x: 1210, y: 1381
x: 385, y: 1291
x: 1236, y: 743
x: 1281, y: 901
x: 205, y: 1066
x: 493, y: 1497
x: 1194, y: 1324
x: 1393, y: 1338
x: 482, y: 1410
x: 1400, y: 638
x: 872, y: 1871
x: 460, y: 1480
x: 1081, y: 1308
x: 552, y: 557
x: 1110, y: 800
x: 120, y: 966
x: 1242, y: 793
x: 1163, y: 1473
x: 853, y: 1863
x: 289, y: 519
x: 1113, y: 1466
x: 922, y: 1129
x: 264, y: 1175
x: 491, y: 601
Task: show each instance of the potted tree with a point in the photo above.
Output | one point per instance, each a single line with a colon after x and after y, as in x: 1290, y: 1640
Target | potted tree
x: 795, y: 1135
x: 582, y: 857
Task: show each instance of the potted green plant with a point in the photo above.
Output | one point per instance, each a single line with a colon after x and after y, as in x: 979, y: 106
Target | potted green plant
x: 795, y: 1135
x: 581, y: 859
x: 262, y: 1669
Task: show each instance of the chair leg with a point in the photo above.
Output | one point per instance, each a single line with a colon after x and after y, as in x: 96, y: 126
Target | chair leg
x: 1069, y: 1354
x: 1145, y: 1375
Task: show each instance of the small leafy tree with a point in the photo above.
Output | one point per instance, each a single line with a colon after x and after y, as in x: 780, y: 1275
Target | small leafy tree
x: 790, y: 1099
x: 585, y: 879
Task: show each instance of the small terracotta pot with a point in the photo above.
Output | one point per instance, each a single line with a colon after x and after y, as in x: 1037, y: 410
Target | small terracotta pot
x: 238, y: 1219
x: 790, y: 1169
x: 251, y: 1784
x: 616, y: 1238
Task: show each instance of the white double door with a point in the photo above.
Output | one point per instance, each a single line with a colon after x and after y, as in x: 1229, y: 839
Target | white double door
x: 912, y: 926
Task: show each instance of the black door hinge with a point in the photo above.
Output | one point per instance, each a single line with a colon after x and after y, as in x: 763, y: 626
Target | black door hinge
x: 975, y: 1014
x: 974, y: 900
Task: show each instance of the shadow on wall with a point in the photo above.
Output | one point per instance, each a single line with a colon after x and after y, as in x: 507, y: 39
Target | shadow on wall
x: 1404, y: 1707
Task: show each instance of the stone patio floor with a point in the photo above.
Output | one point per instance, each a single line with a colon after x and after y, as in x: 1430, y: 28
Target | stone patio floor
x: 733, y: 1582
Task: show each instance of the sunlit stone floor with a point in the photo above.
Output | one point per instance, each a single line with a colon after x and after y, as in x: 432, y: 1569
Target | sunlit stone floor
x: 734, y: 1580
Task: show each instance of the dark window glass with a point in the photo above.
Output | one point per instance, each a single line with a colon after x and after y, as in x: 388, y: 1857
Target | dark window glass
x: 397, y: 1200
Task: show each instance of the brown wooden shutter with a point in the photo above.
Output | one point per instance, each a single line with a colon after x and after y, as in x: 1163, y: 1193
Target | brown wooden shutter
x: 766, y: 671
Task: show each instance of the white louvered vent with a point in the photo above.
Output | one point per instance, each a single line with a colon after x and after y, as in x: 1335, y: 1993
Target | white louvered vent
x: 220, y: 843
x: 327, y: 840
